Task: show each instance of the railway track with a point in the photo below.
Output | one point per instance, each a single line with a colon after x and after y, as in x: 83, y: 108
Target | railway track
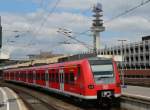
x: 32, y: 102
x: 38, y: 99
x: 42, y: 100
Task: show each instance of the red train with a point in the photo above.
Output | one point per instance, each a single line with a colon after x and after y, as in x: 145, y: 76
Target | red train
x: 87, y: 79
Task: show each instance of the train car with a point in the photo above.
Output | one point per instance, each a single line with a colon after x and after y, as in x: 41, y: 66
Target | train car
x: 86, y: 79
x: 139, y: 77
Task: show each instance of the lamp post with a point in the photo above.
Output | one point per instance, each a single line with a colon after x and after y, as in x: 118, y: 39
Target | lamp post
x: 122, y: 72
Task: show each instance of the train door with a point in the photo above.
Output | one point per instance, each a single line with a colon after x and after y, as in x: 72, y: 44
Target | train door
x: 34, y: 77
x: 47, y: 78
x: 61, y: 79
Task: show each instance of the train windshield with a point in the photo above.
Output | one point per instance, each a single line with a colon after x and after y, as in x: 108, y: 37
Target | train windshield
x: 102, y: 70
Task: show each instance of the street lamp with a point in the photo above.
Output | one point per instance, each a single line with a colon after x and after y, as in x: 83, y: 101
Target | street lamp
x: 122, y: 72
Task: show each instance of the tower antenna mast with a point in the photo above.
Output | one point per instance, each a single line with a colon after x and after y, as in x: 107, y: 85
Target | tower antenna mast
x: 97, y: 26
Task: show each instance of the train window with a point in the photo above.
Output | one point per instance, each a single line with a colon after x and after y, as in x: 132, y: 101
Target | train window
x: 43, y: 77
x: 138, y: 76
x: 66, y: 78
x: 50, y: 77
x: 133, y: 76
x: 129, y: 76
x: 46, y: 75
x: 102, y: 70
x: 37, y: 76
x: 79, y: 71
x: 24, y: 74
x: 71, y: 77
x: 147, y: 76
x: 17, y: 76
x: 53, y: 77
x: 20, y: 74
x: 57, y: 79
x: 62, y: 78
x: 12, y: 75
x: 29, y: 76
x: 8, y: 74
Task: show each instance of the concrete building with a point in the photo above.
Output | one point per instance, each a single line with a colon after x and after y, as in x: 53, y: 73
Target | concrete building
x: 136, y: 55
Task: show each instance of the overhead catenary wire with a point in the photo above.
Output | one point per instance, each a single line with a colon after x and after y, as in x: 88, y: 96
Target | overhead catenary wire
x: 29, y: 28
x: 121, y: 14
x: 41, y: 3
x: 45, y: 19
x: 36, y: 32
x: 128, y: 11
x: 31, y: 24
x: 68, y: 34
x: 84, y: 12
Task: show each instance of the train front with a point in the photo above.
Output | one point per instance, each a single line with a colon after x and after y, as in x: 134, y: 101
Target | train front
x: 106, y: 82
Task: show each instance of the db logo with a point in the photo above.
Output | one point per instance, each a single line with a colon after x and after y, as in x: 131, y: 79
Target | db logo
x: 105, y: 86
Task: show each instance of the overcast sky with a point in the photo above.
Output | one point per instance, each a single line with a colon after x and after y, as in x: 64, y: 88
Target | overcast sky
x: 30, y: 26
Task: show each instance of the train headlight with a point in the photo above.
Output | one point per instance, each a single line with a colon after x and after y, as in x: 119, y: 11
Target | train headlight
x: 91, y: 86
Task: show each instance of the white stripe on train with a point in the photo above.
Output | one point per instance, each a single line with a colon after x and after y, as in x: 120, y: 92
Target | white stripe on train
x: 63, y: 92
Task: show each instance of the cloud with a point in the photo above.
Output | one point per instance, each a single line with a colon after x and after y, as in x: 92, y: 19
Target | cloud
x: 70, y: 49
x: 32, y: 38
x: 130, y: 24
x: 35, y: 35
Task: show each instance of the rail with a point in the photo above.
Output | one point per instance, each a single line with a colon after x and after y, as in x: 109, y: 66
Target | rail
x: 43, y: 97
x: 135, y: 102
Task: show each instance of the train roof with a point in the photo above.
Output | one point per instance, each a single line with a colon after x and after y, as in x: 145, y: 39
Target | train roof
x: 78, y: 60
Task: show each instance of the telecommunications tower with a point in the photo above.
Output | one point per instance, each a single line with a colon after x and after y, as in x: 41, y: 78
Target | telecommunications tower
x: 97, y: 26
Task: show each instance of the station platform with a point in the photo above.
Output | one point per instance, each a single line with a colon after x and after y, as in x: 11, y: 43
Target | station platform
x: 137, y: 91
x: 9, y: 100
